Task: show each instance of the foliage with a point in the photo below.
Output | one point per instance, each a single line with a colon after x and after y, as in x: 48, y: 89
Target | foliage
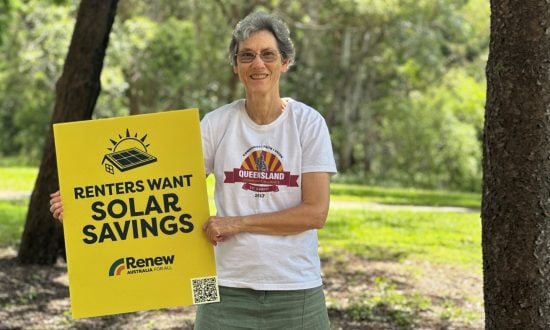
x: 399, y: 82
x: 436, y: 141
x: 33, y: 53
x: 6, y: 8
x: 385, y: 55
x: 151, y: 60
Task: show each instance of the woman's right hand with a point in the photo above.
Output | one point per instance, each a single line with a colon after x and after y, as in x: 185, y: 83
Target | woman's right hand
x: 56, y: 206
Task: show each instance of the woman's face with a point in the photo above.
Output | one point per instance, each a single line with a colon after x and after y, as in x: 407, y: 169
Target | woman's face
x: 260, y: 77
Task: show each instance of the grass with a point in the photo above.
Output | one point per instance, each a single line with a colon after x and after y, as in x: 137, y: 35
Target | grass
x: 350, y: 192
x: 440, y: 237
x: 392, y: 235
x: 380, y: 235
x: 386, y: 304
x: 17, y: 178
x: 12, y: 219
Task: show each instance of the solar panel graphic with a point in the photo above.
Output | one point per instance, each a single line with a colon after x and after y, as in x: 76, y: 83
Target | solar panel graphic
x: 128, y: 159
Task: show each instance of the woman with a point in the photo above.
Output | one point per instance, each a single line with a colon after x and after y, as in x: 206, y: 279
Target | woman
x: 272, y: 159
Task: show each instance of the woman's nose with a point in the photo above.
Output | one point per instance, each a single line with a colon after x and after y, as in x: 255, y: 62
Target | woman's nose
x: 257, y: 61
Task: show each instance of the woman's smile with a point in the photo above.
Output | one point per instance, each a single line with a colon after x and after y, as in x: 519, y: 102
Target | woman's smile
x: 259, y: 76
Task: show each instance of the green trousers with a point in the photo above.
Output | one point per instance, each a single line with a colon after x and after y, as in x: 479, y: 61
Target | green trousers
x: 251, y: 309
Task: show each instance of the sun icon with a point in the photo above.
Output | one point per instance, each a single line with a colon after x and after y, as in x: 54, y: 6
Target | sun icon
x: 128, y: 152
x: 128, y: 142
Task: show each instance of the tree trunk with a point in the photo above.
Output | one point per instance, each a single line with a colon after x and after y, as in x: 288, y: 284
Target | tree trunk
x: 76, y: 93
x: 516, y: 165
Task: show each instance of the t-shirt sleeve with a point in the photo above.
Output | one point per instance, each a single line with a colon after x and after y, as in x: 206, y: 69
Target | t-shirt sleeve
x: 317, y: 147
x: 207, y: 146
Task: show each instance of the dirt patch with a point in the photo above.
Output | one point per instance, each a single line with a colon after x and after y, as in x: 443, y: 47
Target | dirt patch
x: 37, y: 297
x: 402, y: 295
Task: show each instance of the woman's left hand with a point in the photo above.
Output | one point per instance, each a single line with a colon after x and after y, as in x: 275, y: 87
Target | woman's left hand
x: 217, y: 229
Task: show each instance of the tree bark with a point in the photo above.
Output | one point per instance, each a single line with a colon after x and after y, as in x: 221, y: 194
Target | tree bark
x: 76, y: 94
x: 516, y: 165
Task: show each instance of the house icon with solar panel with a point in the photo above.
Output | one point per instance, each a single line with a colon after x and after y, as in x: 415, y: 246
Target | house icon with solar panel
x: 128, y: 152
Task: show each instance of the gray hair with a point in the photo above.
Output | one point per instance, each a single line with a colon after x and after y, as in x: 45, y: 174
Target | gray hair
x: 261, y: 21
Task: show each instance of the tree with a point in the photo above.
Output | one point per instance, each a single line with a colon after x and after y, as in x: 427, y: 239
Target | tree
x: 516, y: 164
x: 76, y: 93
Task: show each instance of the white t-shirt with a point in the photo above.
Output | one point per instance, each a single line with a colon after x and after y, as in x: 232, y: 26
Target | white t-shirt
x: 258, y: 169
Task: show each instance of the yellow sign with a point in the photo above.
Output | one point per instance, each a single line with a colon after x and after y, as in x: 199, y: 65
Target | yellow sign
x: 135, y: 199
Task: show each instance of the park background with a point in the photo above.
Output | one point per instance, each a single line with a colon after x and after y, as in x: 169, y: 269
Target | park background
x: 400, y: 83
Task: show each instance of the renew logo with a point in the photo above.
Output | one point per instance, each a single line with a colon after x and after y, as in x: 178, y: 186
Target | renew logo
x: 134, y: 265
x: 117, y: 267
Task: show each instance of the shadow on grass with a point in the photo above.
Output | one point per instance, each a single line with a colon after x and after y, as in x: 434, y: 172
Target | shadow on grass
x: 37, y: 297
x: 372, y: 253
x: 361, y: 294
x: 27, y: 289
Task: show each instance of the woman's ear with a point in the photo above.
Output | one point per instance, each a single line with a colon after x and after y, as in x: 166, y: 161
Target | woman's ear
x: 235, y: 70
x: 284, y: 68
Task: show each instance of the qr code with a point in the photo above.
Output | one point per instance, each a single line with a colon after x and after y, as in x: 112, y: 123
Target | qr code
x: 205, y: 290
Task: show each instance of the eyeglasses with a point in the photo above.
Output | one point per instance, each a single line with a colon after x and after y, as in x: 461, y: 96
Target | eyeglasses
x: 247, y: 56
